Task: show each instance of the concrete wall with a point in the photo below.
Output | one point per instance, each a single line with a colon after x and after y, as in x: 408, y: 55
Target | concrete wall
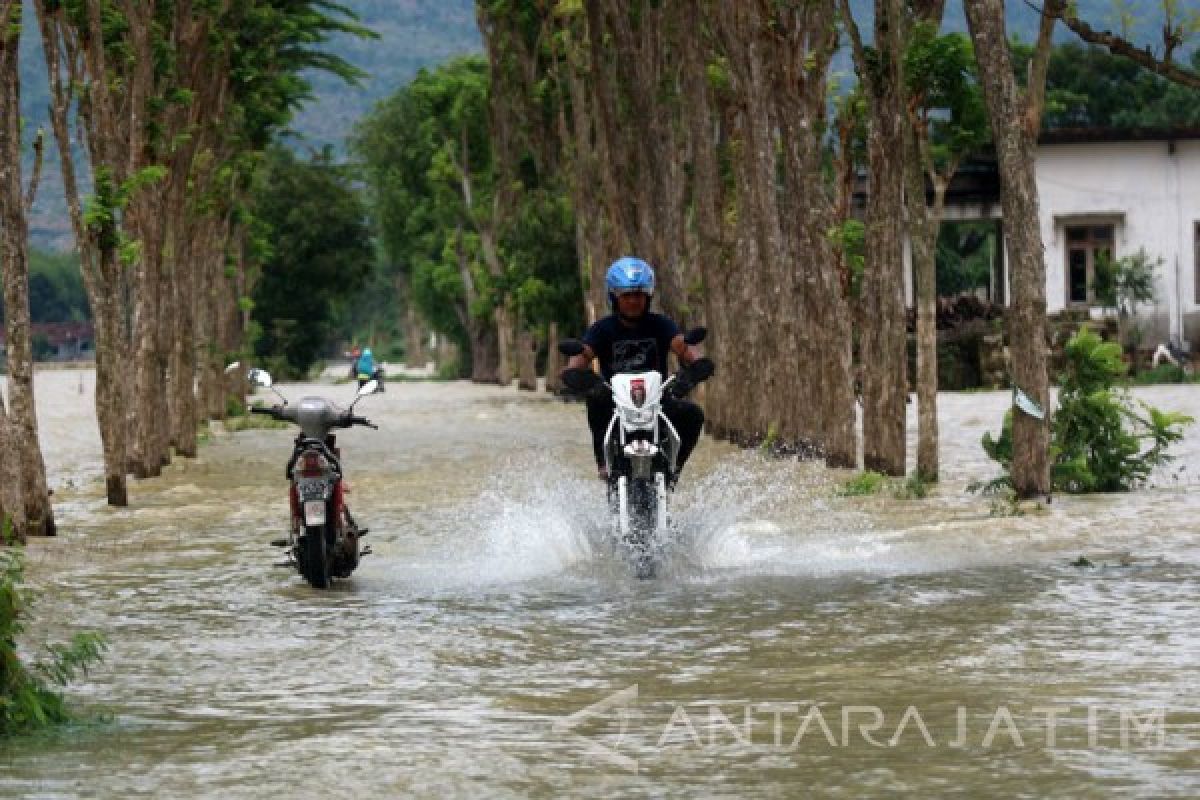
x: 1150, y: 191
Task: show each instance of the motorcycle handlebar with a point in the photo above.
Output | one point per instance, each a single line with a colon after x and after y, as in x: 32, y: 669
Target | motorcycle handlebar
x: 263, y: 410
x: 356, y: 420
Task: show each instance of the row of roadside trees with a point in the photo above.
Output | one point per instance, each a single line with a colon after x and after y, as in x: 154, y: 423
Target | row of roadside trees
x: 161, y: 113
x: 711, y: 139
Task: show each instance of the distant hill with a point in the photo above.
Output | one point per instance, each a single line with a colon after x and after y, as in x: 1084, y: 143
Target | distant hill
x: 413, y: 34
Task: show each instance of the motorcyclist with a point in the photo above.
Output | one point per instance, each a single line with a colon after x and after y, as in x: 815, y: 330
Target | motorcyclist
x: 635, y: 339
x: 364, y: 367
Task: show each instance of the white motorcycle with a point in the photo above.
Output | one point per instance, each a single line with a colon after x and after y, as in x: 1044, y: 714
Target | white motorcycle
x: 640, y: 449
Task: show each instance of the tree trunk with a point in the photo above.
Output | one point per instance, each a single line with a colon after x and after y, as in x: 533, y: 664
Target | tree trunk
x: 554, y: 361
x: 183, y: 370
x: 144, y: 458
x: 883, y: 356
x: 527, y: 349
x: 70, y: 53
x: 12, y: 499
x: 502, y: 315
x: 14, y: 259
x: 824, y: 329
x: 923, y: 227
x: 1015, y: 121
x: 481, y: 333
x: 416, y: 353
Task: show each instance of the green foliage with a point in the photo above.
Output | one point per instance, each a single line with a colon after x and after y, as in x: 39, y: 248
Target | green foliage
x: 320, y: 255
x: 451, y: 371
x: 1122, y: 283
x: 914, y: 487
x: 849, y: 239
x: 1163, y: 373
x: 864, y: 483
x: 250, y: 422
x: 1087, y: 87
x: 964, y: 256
x: 56, y: 292
x: 30, y: 695
x: 422, y: 148
x: 1100, y: 440
x: 941, y: 80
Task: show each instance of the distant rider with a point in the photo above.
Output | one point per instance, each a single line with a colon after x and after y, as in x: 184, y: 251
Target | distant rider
x: 635, y: 339
x: 364, y: 368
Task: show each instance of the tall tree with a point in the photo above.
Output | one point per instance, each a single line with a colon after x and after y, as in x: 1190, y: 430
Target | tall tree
x: 691, y: 134
x: 882, y: 350
x: 312, y: 268
x: 1015, y: 115
x: 38, y: 515
x: 75, y: 44
x: 948, y: 122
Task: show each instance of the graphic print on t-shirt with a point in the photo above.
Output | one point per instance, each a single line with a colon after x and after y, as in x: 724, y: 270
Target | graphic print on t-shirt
x: 635, y: 355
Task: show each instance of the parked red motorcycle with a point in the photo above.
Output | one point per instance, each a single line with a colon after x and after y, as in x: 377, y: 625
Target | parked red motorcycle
x: 323, y: 542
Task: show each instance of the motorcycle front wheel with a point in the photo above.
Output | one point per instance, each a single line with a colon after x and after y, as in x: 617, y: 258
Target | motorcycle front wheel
x: 643, y: 521
x: 314, y: 563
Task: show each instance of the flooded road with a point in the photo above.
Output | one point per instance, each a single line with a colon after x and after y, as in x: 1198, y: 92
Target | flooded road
x: 798, y: 643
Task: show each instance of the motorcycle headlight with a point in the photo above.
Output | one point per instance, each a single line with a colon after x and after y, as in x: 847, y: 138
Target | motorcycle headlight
x: 637, y: 417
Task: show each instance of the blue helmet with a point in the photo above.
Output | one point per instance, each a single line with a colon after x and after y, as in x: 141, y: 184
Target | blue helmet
x: 628, y: 274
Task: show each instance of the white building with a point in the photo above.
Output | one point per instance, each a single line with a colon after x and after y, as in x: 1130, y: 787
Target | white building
x: 1114, y: 192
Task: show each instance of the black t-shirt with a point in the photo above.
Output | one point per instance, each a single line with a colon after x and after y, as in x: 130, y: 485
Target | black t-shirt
x: 641, y: 348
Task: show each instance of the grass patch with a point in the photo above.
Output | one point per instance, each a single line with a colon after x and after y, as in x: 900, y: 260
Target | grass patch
x: 863, y: 484
x: 1163, y: 373
x: 251, y: 422
x: 914, y: 487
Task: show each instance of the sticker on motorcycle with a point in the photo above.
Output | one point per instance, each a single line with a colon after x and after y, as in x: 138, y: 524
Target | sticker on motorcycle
x: 314, y: 512
x: 637, y: 392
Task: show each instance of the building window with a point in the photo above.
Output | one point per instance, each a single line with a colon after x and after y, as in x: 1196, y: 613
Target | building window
x: 1086, y: 244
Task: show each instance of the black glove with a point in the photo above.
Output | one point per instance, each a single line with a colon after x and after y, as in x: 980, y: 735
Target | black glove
x: 680, y: 387
x: 692, y: 375
x: 583, y: 382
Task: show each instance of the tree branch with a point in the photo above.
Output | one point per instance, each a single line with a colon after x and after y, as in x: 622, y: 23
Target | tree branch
x: 39, y: 147
x: 1123, y: 47
x: 1035, y: 90
x: 856, y: 43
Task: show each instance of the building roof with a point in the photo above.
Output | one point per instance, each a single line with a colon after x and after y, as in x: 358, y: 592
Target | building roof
x: 1085, y: 135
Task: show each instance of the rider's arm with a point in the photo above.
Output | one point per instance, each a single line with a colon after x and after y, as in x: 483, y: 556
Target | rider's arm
x: 686, y: 353
x: 581, y: 361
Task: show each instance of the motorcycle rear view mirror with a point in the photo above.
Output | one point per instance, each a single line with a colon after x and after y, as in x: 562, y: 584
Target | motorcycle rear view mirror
x: 570, y: 347
x: 370, y: 387
x: 695, y: 335
x: 260, y: 377
x: 229, y: 370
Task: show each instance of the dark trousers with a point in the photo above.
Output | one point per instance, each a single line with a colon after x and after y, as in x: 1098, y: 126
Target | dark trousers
x: 686, y: 416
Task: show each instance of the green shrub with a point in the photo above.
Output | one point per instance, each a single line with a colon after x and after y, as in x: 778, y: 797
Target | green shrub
x: 450, y: 370
x: 864, y: 483
x: 29, y: 694
x: 915, y: 487
x: 1100, y: 440
x: 1163, y: 373
x: 234, y: 406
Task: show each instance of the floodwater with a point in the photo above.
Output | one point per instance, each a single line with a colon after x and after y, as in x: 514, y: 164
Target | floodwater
x: 798, y: 643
